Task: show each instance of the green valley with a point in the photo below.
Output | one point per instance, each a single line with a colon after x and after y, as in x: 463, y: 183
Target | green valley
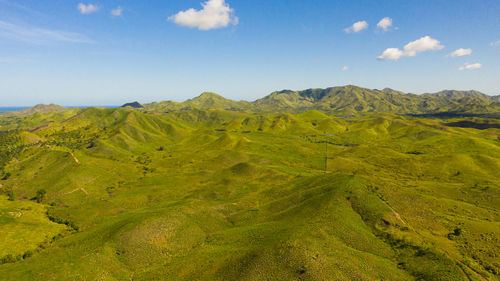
x: 343, y: 183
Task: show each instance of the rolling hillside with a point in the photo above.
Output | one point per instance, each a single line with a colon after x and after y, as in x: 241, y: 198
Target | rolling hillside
x: 204, y: 193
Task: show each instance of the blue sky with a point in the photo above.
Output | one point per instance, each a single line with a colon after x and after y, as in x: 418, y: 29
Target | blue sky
x: 104, y: 52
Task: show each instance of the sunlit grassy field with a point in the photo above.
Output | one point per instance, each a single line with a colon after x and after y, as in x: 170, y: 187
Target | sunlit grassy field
x: 225, y: 195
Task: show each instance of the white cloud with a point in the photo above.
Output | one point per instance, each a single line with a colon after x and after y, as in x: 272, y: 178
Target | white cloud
x: 412, y: 49
x: 87, y: 9
x: 495, y: 44
x: 469, y: 66
x: 357, y: 27
x: 117, y: 11
x: 461, y: 52
x: 345, y: 68
x: 391, y: 54
x: 385, y: 23
x: 421, y: 45
x: 215, y: 14
x: 37, y: 35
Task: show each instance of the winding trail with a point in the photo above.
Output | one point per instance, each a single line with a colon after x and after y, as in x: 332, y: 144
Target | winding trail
x: 74, y: 157
x: 396, y: 214
x: 38, y: 128
x: 81, y: 189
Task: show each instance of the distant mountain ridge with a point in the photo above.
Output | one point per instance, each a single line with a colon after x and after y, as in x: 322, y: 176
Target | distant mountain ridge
x: 133, y: 105
x: 347, y: 100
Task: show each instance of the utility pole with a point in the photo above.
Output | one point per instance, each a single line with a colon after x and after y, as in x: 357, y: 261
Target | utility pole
x: 326, y: 145
x: 326, y: 150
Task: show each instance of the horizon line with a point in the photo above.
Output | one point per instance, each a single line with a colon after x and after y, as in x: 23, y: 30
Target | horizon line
x: 347, y: 85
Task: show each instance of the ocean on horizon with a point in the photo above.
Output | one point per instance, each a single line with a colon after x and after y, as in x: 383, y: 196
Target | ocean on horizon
x: 13, y: 108
x: 18, y: 108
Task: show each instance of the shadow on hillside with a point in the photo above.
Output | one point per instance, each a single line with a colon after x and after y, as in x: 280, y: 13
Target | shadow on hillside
x: 446, y: 115
x: 471, y: 124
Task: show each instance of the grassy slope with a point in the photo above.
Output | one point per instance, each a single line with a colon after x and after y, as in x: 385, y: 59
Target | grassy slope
x: 24, y: 226
x: 213, y: 194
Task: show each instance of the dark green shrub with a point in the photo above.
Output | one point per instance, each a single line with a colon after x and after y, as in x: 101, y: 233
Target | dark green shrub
x: 28, y: 254
x: 8, y: 259
x: 40, y: 194
x: 6, y: 176
x: 11, y: 195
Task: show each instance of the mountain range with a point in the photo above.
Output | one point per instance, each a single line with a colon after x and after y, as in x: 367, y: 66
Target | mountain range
x: 337, y: 101
x: 345, y: 100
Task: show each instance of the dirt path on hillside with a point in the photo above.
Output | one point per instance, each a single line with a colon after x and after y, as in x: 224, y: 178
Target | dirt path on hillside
x: 472, y: 270
x: 396, y: 214
x: 70, y: 153
x: 72, y: 117
x: 80, y: 188
x: 38, y: 128
x: 74, y: 157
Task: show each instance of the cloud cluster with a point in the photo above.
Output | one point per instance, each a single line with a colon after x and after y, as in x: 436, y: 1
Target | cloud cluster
x: 461, y: 52
x: 411, y: 49
x: 215, y: 14
x: 37, y: 35
x: 87, y: 9
x: 356, y: 27
x: 495, y: 44
x: 117, y: 11
x: 345, y: 68
x: 468, y: 66
x: 385, y: 23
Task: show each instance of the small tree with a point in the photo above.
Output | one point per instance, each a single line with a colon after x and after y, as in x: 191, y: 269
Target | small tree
x: 27, y: 254
x: 8, y: 259
x: 40, y: 194
x: 6, y: 176
x: 11, y: 195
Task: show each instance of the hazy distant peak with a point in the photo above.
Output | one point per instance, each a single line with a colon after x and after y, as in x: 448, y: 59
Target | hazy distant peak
x: 285, y: 92
x: 133, y: 105
x: 211, y: 95
x: 389, y: 90
x: 48, y: 106
x: 42, y: 108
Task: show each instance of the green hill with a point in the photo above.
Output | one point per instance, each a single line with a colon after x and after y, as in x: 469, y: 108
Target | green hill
x: 203, y: 193
x: 204, y: 101
x: 212, y: 100
x: 40, y: 108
